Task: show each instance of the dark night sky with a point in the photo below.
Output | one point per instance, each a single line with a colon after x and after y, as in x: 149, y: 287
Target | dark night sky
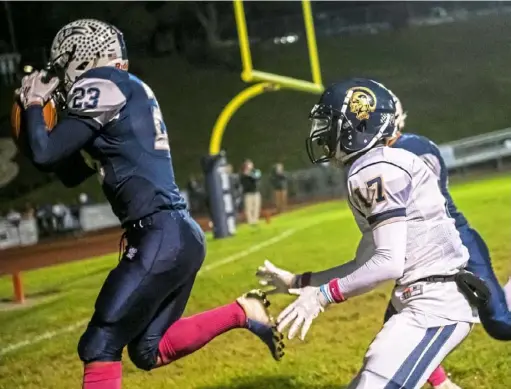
x: 36, y: 22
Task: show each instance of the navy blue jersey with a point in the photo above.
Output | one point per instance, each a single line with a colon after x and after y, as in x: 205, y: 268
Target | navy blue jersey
x: 115, y: 119
x: 430, y: 154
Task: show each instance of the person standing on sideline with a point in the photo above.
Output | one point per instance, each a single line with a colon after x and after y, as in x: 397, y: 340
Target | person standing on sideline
x: 279, y: 184
x: 236, y: 189
x: 250, y: 178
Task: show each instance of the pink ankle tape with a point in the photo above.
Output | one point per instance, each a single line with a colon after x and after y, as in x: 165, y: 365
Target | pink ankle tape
x: 438, y: 376
x: 102, y: 375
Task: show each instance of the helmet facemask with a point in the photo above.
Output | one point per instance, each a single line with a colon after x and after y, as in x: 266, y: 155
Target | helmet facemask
x: 321, y: 144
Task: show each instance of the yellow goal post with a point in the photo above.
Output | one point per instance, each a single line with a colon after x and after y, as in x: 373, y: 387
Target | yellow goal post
x: 264, y: 81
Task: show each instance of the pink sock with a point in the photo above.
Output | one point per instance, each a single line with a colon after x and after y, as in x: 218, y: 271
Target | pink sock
x: 102, y: 375
x: 438, y: 376
x: 189, y: 334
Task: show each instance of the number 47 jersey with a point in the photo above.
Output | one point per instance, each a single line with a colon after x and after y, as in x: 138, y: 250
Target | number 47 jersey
x: 386, y: 185
x: 130, y: 144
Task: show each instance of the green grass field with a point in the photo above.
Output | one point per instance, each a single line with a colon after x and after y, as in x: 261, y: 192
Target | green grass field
x: 313, y: 238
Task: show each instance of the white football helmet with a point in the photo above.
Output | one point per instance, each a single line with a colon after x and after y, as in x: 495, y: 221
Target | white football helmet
x: 86, y: 44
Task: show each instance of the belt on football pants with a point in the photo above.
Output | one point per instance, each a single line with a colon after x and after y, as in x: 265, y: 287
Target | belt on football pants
x: 450, y: 278
x: 473, y: 288
x: 133, y: 226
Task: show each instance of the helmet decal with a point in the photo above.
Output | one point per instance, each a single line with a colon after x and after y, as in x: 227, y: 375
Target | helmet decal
x: 362, y: 102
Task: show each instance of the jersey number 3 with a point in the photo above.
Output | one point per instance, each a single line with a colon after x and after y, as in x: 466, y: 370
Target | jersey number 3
x: 375, y: 192
x: 85, y: 98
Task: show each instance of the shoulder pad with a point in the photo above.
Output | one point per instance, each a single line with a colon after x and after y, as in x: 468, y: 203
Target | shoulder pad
x: 95, y: 98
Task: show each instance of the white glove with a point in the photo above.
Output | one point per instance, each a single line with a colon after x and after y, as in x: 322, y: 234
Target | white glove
x: 302, y: 311
x: 280, y: 279
x: 35, y: 91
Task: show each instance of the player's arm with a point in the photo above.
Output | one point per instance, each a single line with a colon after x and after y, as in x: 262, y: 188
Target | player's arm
x: 382, y: 200
x: 377, y: 259
x: 92, y: 104
x: 49, y: 148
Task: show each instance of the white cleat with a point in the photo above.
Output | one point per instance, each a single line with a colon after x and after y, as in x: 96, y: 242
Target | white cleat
x: 447, y: 384
x: 260, y: 323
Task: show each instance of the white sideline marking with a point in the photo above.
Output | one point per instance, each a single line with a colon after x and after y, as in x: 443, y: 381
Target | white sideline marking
x: 40, y: 338
x: 248, y: 251
x: 230, y: 259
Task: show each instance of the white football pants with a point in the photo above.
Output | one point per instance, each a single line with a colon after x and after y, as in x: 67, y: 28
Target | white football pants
x: 406, y: 351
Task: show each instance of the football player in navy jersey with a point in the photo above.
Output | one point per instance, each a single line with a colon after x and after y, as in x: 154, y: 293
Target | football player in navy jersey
x: 114, y: 117
x: 495, y: 316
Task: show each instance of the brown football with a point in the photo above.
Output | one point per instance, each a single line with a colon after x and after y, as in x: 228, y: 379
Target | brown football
x: 17, y: 133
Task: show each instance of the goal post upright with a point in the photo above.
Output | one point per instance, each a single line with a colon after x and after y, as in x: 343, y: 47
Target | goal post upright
x: 218, y: 185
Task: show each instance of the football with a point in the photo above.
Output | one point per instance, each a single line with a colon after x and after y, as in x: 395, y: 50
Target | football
x: 50, y: 118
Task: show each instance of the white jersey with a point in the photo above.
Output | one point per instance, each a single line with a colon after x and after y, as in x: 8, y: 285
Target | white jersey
x: 387, y: 184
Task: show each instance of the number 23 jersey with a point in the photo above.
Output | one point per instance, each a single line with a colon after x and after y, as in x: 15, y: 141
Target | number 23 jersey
x: 130, y: 145
x: 386, y: 185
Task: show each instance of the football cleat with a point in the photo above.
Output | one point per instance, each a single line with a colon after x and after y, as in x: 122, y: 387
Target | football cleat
x: 447, y: 384
x: 260, y: 323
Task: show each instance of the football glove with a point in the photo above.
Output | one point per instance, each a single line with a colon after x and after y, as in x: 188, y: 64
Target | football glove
x: 281, y: 280
x: 36, y: 89
x: 310, y: 303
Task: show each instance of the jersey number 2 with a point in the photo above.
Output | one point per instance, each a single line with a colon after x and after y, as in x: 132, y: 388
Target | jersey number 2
x: 161, y: 140
x: 85, y: 98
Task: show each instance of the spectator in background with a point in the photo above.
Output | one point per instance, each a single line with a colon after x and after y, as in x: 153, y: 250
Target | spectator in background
x: 236, y: 189
x: 59, y: 211
x: 250, y: 178
x: 13, y: 217
x: 28, y: 212
x: 74, y: 211
x: 279, y: 184
x: 44, y: 220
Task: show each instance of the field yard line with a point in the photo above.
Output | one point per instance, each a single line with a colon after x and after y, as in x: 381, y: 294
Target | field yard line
x: 249, y: 251
x: 230, y: 259
x: 40, y: 338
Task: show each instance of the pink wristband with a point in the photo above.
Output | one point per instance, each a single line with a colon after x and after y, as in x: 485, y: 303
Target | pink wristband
x: 335, y: 291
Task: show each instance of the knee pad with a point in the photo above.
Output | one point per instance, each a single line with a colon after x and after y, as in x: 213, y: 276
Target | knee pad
x: 96, y: 344
x: 142, y: 356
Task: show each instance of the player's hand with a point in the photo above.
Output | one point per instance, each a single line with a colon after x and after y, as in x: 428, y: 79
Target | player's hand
x: 281, y: 280
x: 302, y: 311
x: 34, y: 89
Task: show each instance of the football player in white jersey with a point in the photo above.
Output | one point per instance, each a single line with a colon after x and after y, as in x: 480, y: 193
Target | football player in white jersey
x: 407, y: 237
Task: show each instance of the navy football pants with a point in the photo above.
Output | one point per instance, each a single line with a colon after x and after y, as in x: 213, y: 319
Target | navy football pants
x: 146, y: 292
x: 495, y: 317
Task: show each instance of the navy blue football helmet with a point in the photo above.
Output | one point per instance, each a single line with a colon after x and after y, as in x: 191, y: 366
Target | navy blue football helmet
x: 350, y: 118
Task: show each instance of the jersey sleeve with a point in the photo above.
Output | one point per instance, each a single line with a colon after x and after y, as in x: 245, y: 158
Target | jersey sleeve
x: 380, y: 193
x: 95, y: 100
